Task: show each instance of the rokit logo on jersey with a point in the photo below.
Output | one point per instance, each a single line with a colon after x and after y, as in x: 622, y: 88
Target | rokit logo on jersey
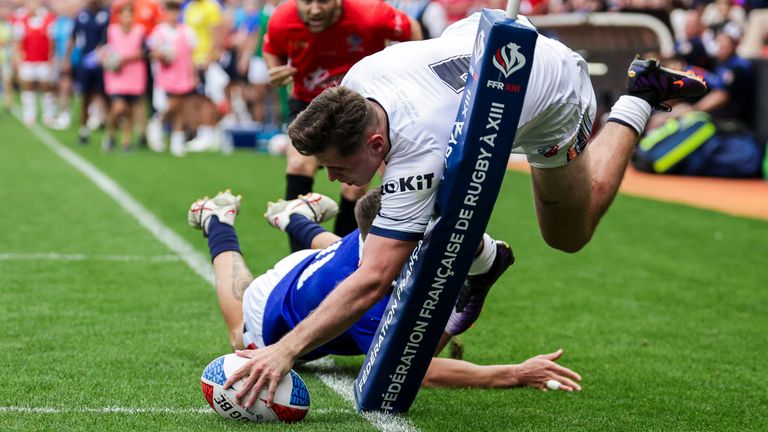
x: 408, y: 184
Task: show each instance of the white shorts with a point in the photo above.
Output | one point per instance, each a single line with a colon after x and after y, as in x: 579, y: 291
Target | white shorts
x: 258, y: 73
x: 255, y: 297
x: 36, y: 72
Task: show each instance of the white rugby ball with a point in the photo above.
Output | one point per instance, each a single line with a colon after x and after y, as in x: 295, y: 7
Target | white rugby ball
x: 291, y: 402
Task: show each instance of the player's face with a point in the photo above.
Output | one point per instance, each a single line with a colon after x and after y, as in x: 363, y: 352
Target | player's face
x: 356, y: 169
x: 317, y: 15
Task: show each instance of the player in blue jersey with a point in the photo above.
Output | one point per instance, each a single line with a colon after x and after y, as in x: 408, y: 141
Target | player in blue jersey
x: 89, y: 32
x: 260, y: 311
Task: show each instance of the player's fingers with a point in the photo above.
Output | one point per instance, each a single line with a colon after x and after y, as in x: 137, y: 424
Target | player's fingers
x: 553, y: 356
x: 236, y: 376
x: 568, y: 385
x: 255, y: 391
x: 564, y: 371
x: 272, y: 389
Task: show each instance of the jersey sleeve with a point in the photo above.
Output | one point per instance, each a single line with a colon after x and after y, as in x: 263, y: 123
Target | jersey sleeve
x: 409, y: 190
x: 273, y: 39
x: 390, y: 23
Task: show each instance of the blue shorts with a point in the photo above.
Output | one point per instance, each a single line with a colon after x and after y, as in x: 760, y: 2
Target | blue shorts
x: 89, y: 81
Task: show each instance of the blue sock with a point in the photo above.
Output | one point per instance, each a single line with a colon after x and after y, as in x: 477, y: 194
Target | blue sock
x: 221, y: 237
x: 302, y: 230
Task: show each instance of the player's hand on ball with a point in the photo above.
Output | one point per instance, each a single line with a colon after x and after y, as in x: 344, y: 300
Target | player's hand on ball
x: 266, y: 368
x: 543, y: 373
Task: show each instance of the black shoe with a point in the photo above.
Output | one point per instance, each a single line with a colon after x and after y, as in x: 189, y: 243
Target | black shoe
x: 655, y: 84
x: 82, y: 136
x: 107, y: 144
x: 472, y: 294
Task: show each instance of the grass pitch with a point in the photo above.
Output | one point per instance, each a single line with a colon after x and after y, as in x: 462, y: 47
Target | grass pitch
x: 663, y: 314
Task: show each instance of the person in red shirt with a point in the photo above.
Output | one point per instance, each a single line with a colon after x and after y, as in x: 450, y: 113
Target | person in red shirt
x: 313, y: 43
x: 35, y: 69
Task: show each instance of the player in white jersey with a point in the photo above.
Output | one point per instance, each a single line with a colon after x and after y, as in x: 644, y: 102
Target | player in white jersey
x: 398, y: 108
x: 419, y: 86
x: 259, y: 311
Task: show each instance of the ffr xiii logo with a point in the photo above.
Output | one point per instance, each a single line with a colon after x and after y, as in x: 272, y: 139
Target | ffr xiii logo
x: 509, y: 59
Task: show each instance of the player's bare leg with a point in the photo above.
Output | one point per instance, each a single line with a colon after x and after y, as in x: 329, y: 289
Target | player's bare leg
x: 582, y: 191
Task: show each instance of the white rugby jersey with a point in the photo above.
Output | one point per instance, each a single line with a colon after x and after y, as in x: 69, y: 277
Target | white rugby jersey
x: 419, y: 85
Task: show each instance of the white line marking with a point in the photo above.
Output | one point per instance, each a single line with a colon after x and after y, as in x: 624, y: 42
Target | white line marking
x: 325, y: 370
x: 128, y: 410
x: 196, y: 261
x: 55, y: 256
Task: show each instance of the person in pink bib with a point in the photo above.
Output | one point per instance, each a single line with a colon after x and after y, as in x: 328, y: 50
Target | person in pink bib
x: 125, y: 77
x: 172, y: 44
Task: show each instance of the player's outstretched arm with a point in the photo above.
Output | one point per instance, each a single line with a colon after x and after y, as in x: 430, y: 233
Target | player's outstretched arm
x: 535, y: 372
x: 382, y: 261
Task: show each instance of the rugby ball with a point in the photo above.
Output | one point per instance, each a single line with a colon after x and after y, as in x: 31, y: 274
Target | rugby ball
x: 291, y: 402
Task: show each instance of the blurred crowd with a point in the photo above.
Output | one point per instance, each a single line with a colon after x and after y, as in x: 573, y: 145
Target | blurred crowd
x: 175, y: 73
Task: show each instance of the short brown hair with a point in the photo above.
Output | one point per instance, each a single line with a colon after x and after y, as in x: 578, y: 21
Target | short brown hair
x: 366, y: 210
x: 338, y: 117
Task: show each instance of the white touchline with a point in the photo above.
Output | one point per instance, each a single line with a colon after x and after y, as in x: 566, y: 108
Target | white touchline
x: 56, y: 256
x: 196, y: 261
x: 129, y: 410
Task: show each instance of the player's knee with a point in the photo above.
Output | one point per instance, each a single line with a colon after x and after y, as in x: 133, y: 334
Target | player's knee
x: 569, y: 242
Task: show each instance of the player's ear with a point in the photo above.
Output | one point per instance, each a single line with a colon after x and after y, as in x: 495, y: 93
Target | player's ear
x: 376, y: 143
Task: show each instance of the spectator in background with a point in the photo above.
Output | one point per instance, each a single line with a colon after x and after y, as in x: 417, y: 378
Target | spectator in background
x: 89, y: 33
x: 6, y: 56
x: 62, y: 33
x: 755, y: 41
x: 125, y: 77
x: 35, y: 55
x: 205, y: 19
x: 730, y: 148
x: 146, y: 13
x: 171, y: 46
x: 312, y: 44
x: 719, y: 13
x: 430, y: 15
x: 236, y: 55
x: 253, y: 29
x: 693, y: 44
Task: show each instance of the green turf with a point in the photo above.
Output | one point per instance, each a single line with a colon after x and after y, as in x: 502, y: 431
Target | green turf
x: 663, y: 314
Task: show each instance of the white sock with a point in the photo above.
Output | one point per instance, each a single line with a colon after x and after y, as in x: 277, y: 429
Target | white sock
x: 205, y: 133
x: 28, y: 105
x: 484, y: 261
x: 49, y: 106
x: 178, y: 139
x: 631, y: 111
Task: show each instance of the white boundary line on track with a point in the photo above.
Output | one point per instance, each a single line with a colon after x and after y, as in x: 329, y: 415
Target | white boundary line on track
x: 56, y: 256
x: 198, y: 262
